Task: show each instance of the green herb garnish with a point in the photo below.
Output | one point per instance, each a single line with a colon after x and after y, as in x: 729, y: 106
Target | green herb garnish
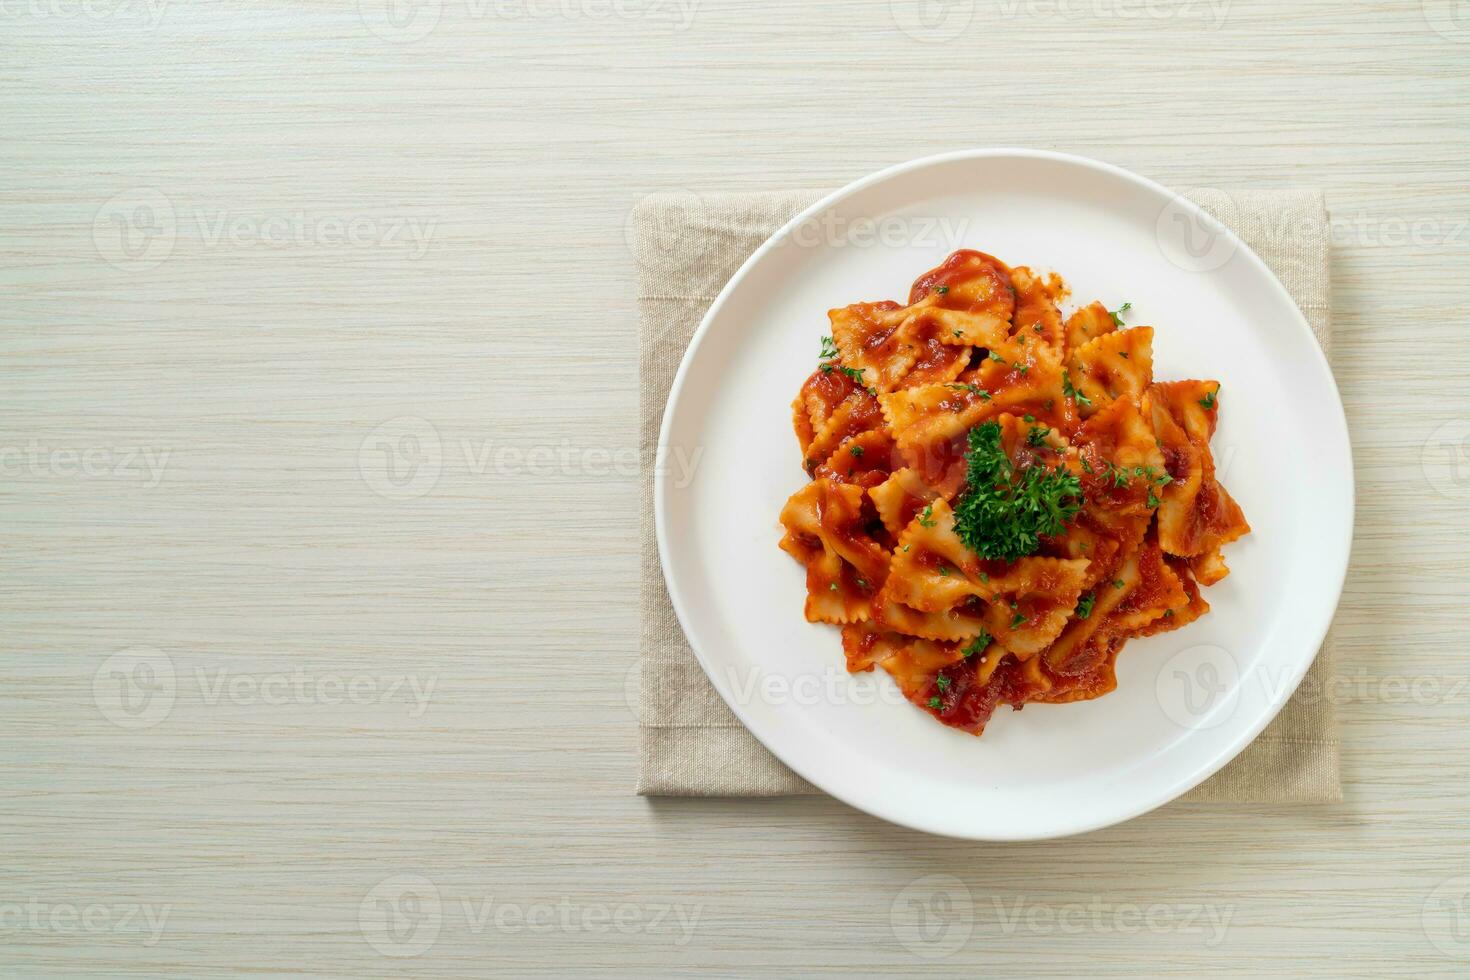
x: 1208, y: 402
x: 1085, y: 604
x: 934, y: 703
x: 977, y: 645
x: 856, y: 374
x: 1117, y: 314
x: 1005, y: 513
x: 856, y: 451
x: 1073, y: 393
x: 972, y: 389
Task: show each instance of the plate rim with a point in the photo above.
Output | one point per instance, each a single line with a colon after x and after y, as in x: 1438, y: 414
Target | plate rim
x: 1337, y: 575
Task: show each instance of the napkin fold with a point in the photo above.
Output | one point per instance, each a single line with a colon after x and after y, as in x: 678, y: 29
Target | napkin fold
x: 687, y: 246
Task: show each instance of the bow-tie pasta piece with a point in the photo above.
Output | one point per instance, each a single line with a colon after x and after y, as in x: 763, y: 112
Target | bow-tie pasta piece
x: 1088, y: 323
x: 826, y: 530
x: 900, y: 498
x: 1116, y: 365
x: 1036, y: 307
x: 1196, y: 515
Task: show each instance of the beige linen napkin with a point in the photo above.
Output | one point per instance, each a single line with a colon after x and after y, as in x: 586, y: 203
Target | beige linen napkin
x: 687, y: 246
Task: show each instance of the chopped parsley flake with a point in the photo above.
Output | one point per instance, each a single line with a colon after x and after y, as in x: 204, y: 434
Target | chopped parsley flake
x: 1117, y: 314
x: 1085, y: 604
x: 856, y: 451
x: 1208, y: 402
x: 1073, y: 393
x: 941, y: 290
x: 926, y: 519
x: 977, y: 645
x: 856, y: 374
x: 972, y: 389
x: 942, y: 682
x: 934, y: 703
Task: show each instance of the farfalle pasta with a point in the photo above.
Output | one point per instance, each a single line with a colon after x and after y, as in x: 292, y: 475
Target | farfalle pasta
x: 998, y: 497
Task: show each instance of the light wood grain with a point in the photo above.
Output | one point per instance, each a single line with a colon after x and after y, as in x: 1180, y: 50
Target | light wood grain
x: 254, y: 831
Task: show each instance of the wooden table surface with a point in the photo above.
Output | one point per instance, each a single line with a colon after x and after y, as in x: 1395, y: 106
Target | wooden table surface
x: 318, y: 388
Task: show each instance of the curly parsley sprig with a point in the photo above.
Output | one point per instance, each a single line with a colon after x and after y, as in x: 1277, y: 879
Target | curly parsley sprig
x: 1004, y: 512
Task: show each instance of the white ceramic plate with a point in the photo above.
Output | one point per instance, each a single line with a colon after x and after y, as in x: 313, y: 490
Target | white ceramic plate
x: 1188, y: 701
